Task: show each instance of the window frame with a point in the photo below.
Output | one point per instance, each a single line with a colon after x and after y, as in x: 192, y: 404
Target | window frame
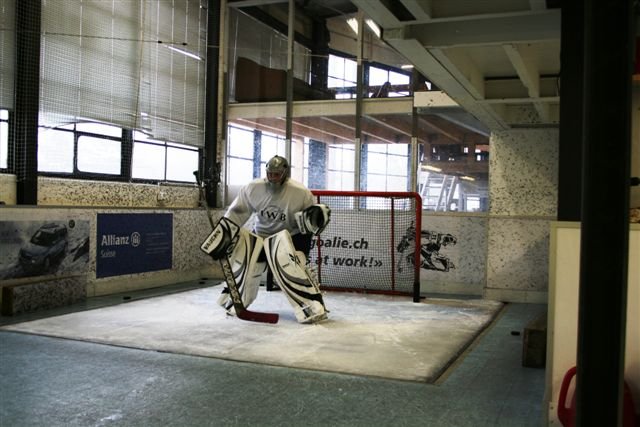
x: 127, y: 144
x: 388, y: 174
x: 168, y: 146
x: 4, y: 140
x: 78, y: 174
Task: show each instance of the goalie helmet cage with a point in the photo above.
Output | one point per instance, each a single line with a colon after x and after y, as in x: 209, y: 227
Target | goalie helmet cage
x: 370, y: 244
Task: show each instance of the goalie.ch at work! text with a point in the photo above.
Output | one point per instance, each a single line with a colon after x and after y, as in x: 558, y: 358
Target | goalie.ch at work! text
x: 339, y: 242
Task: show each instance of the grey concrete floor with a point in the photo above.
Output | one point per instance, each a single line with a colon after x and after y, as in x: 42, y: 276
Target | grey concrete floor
x: 56, y: 382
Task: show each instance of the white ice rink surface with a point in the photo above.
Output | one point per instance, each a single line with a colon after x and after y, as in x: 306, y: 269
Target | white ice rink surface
x: 373, y: 335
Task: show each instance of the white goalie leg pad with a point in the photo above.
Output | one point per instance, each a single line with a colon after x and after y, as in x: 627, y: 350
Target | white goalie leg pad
x: 246, y: 269
x: 290, y: 273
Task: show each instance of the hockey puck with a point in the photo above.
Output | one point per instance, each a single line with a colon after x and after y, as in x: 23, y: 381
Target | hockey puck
x: 126, y: 298
x: 515, y: 333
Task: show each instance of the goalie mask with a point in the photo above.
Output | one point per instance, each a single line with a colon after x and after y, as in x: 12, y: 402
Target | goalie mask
x: 277, y: 171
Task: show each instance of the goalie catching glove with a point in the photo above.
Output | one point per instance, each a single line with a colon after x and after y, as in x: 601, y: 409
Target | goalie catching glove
x: 314, y: 219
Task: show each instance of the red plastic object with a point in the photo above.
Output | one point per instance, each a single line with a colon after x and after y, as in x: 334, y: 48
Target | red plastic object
x: 567, y: 415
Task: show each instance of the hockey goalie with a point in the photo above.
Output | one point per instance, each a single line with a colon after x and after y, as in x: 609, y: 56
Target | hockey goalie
x: 278, y: 205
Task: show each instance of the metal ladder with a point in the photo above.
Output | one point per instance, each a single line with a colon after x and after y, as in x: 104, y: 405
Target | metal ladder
x: 446, y: 184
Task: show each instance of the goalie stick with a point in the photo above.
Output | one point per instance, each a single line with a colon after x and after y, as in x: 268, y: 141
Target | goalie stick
x: 241, y: 311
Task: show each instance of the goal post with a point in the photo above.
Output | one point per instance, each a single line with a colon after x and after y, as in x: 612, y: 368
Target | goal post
x: 370, y: 244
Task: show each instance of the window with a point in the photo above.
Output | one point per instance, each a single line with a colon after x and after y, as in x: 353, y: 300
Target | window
x: 305, y: 162
x: 340, y: 167
x: 99, y: 151
x: 379, y: 76
x: 343, y: 76
x: 473, y: 203
x: 264, y: 46
x: 482, y: 153
x: 146, y: 157
x: 343, y: 73
x: 99, y: 155
x: 55, y: 150
x: 162, y: 161
x: 98, y: 65
x: 387, y: 167
x: 270, y: 146
x: 239, y: 155
x: 182, y: 161
x: 4, y: 138
x: 81, y: 149
x: 100, y: 78
x: 7, y: 60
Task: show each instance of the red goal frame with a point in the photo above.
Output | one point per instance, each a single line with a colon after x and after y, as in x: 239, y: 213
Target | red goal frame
x: 392, y: 197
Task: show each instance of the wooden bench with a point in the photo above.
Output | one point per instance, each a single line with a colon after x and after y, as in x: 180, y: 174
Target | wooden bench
x: 27, y: 294
x: 534, y: 343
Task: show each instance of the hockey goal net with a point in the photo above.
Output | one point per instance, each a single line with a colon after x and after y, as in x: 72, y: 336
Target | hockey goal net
x: 369, y: 245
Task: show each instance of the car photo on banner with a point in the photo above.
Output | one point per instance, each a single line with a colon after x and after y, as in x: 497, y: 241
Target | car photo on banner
x: 38, y: 248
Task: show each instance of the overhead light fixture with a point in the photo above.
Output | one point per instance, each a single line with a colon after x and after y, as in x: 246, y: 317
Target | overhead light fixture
x: 184, y: 52
x: 374, y: 27
x: 468, y: 178
x: 406, y: 66
x: 353, y: 23
x: 431, y: 168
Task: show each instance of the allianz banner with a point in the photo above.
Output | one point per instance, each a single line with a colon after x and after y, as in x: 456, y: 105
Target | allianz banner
x: 133, y: 243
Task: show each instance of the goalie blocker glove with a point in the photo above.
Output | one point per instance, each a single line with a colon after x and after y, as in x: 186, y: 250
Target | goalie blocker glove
x: 314, y: 219
x: 222, y: 239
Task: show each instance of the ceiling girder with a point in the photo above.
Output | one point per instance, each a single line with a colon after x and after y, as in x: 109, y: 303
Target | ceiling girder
x: 446, y: 43
x: 479, y: 30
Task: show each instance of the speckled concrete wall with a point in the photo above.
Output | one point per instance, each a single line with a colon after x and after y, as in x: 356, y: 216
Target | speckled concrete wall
x: 468, y: 255
x: 190, y: 228
x: 523, y: 173
x: 523, y: 179
x: 69, y: 192
x: 72, y: 192
x: 518, y: 259
x: 51, y: 293
x: 8, y: 189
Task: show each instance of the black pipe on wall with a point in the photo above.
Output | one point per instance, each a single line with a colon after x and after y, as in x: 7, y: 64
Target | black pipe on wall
x: 602, y: 308
x: 211, y: 166
x: 27, y: 101
x: 571, y: 88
